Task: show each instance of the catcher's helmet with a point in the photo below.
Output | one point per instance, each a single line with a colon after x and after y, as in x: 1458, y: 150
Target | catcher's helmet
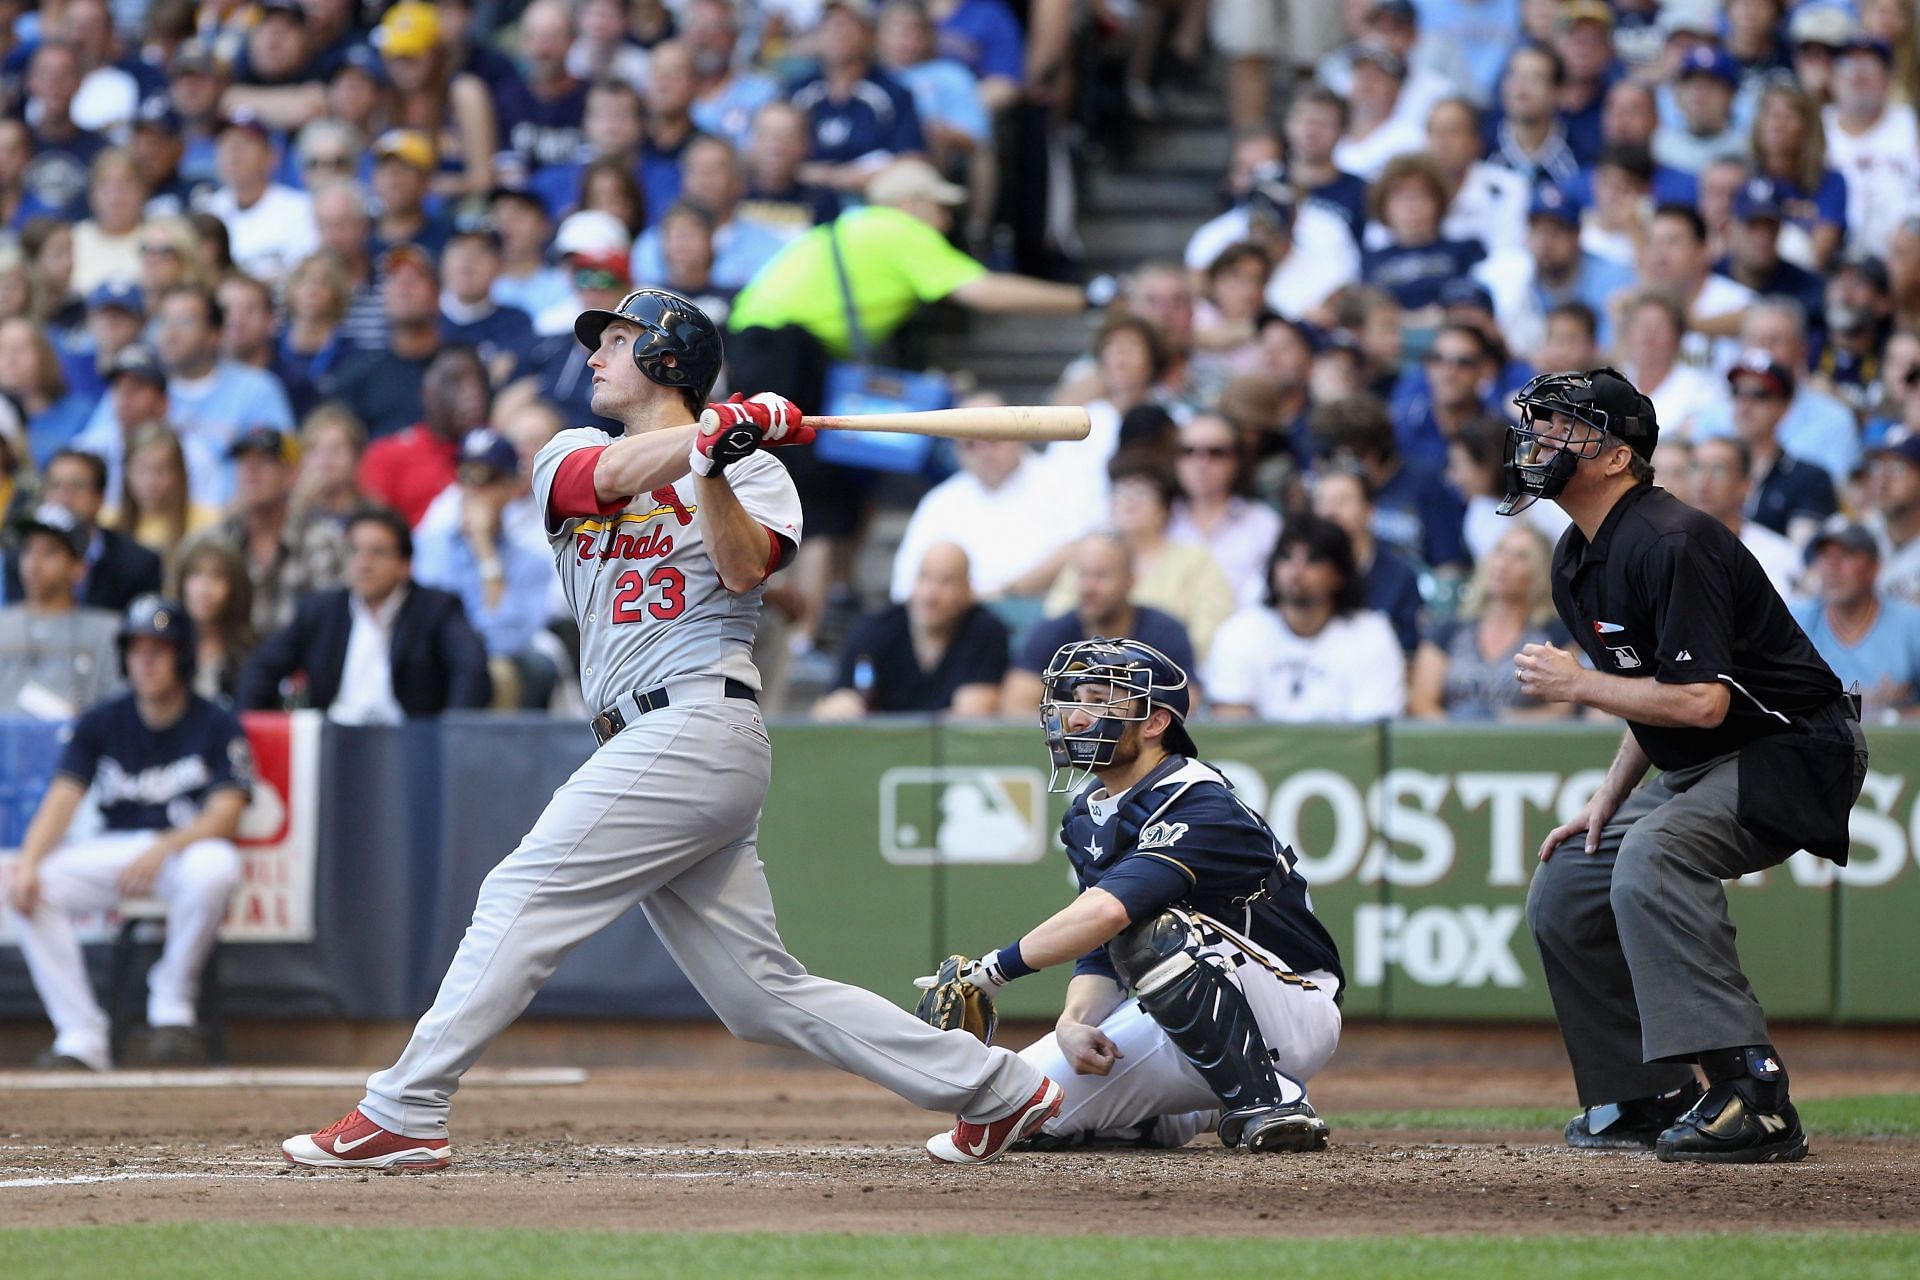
x: 670, y: 326
x: 1139, y: 678
x: 1540, y: 459
x: 152, y: 615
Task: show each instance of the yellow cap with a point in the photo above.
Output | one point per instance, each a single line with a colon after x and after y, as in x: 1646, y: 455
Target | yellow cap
x: 409, y: 30
x: 410, y: 146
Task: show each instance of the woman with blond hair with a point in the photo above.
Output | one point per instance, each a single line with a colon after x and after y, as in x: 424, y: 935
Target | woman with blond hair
x: 48, y: 248
x: 315, y: 296
x: 1463, y: 670
x: 156, y: 508
x: 106, y: 246
x: 209, y: 579
x: 30, y: 372
x: 1789, y: 146
x: 169, y: 255
x: 450, y: 106
x: 327, y: 486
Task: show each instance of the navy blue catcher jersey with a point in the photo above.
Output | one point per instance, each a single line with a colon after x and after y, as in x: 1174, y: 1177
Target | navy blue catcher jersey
x: 149, y: 780
x: 1181, y: 837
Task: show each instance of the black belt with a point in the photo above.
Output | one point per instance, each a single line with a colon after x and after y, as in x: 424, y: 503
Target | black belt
x: 613, y: 719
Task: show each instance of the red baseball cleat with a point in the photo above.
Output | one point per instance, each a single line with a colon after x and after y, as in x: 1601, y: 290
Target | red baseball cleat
x: 971, y: 1143
x: 355, y: 1142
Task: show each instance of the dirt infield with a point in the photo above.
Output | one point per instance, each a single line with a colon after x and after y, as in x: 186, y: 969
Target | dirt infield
x: 804, y: 1149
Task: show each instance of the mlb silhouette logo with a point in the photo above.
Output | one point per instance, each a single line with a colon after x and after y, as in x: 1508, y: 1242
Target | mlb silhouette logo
x: 961, y: 814
x: 1624, y: 657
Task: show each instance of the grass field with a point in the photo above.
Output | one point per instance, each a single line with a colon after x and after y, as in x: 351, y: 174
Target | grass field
x: 222, y: 1252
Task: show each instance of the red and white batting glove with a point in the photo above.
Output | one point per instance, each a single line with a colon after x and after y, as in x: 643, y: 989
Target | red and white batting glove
x: 736, y: 426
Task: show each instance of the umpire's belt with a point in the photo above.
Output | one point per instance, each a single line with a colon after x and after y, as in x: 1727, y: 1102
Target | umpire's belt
x: 686, y: 691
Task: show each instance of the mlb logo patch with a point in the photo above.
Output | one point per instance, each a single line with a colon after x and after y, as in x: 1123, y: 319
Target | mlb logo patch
x: 1624, y: 657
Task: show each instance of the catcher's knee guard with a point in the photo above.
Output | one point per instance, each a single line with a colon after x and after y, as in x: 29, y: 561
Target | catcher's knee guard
x: 1209, y: 1020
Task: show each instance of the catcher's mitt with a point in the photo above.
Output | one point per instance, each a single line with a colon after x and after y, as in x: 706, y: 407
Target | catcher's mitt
x: 950, y: 1002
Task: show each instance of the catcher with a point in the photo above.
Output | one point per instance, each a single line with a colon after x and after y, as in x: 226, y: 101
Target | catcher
x: 1188, y: 902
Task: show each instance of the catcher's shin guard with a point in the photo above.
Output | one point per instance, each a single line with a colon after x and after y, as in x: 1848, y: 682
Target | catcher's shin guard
x: 1209, y: 1020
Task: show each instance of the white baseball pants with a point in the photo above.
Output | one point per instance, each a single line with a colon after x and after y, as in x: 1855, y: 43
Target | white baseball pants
x: 665, y: 816
x: 195, y: 884
x: 1152, y: 1092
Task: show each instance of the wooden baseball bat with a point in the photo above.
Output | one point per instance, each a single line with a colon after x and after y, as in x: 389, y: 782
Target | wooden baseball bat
x: 1007, y: 422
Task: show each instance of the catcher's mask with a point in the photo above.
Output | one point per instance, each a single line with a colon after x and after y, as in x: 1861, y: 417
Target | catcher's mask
x: 1137, y: 678
x: 1541, y: 455
x: 678, y: 345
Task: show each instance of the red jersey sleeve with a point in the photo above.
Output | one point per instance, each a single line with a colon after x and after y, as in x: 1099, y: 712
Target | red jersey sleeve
x: 573, y: 492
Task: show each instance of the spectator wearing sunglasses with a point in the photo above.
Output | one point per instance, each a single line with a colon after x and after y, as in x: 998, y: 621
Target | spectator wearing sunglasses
x: 1212, y: 510
x: 1790, y: 496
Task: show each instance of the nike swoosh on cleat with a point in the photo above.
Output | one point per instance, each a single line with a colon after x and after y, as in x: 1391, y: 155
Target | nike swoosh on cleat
x: 975, y: 1152
x: 341, y: 1146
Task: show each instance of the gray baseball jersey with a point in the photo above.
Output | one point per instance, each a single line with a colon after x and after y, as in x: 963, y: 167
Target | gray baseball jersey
x: 648, y: 599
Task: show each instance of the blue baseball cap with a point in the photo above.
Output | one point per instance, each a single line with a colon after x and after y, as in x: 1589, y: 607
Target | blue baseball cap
x: 1706, y: 60
x: 1465, y: 291
x: 157, y: 113
x: 1550, y: 201
x: 488, y: 448
x: 118, y: 295
x: 1760, y: 198
x: 365, y: 59
x: 1863, y: 42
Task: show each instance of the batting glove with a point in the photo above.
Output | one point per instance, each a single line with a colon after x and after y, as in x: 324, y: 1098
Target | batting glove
x: 736, y: 426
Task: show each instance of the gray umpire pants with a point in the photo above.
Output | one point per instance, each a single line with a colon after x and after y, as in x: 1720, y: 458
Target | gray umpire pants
x: 1635, y: 938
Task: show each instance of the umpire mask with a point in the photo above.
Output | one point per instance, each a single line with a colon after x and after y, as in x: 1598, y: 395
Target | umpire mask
x: 1135, y: 678
x: 1541, y: 454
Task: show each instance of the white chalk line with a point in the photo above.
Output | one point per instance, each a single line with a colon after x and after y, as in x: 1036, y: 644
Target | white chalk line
x: 272, y: 1078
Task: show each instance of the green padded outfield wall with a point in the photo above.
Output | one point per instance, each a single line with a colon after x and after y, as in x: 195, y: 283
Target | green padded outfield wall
x: 891, y: 844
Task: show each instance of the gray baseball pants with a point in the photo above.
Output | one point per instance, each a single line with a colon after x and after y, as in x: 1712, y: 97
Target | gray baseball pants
x: 1635, y: 938
x: 665, y: 815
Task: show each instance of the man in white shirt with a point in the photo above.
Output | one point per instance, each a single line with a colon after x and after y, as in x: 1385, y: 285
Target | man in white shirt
x: 1311, y: 653
x: 270, y: 227
x: 1652, y: 326
x: 1490, y: 204
x: 1396, y: 24
x: 1718, y: 481
x: 1873, y: 143
x: 1378, y: 129
x: 1003, y: 510
x: 1320, y: 232
x: 1676, y: 258
x: 108, y: 95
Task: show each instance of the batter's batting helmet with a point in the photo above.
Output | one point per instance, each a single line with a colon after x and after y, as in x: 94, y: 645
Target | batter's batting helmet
x: 152, y: 615
x: 671, y: 326
x: 1138, y: 677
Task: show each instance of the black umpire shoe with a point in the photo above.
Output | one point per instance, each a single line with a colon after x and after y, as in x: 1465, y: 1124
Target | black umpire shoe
x: 1634, y: 1125
x: 1292, y: 1127
x: 1727, y: 1127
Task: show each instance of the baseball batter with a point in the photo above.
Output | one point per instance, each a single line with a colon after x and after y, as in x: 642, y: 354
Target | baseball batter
x: 664, y: 538
x: 1205, y: 992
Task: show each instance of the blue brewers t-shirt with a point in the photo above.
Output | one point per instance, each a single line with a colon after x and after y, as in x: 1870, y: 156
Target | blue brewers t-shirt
x: 149, y: 780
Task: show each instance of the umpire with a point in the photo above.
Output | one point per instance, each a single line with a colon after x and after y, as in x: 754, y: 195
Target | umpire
x: 1759, y: 753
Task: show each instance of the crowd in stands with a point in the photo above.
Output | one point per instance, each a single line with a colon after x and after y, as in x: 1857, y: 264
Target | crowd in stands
x: 287, y: 288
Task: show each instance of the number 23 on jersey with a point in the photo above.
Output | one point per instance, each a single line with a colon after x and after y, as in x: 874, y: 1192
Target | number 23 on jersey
x: 669, y: 584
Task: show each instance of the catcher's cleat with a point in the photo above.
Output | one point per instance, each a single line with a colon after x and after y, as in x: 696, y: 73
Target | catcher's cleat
x: 1726, y: 1127
x: 1634, y: 1125
x: 355, y: 1142
x: 1293, y: 1126
x: 970, y: 1143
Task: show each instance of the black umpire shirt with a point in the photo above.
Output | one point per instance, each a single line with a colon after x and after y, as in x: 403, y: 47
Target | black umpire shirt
x: 1669, y: 592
